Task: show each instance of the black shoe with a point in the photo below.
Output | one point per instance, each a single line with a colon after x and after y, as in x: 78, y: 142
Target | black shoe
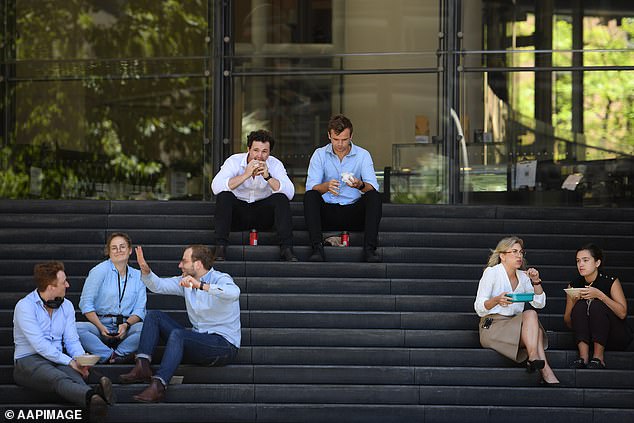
x: 286, y: 254
x: 531, y: 366
x: 104, y: 390
x: 220, y: 253
x: 318, y: 253
x: 595, y: 363
x: 578, y: 364
x: 371, y: 256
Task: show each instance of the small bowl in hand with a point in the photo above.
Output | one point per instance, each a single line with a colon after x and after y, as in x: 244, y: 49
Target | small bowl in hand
x: 87, y: 359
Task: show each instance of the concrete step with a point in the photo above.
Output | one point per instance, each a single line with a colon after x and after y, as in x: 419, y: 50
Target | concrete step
x: 360, y: 394
x: 379, y: 375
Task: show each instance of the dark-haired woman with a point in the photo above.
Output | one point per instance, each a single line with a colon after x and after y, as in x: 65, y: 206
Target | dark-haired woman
x: 597, y: 315
x: 504, y: 325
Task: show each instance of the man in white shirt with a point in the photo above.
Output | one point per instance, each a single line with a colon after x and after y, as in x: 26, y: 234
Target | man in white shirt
x: 253, y: 192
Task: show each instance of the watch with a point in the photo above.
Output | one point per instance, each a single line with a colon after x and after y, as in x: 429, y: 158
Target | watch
x: 202, y: 285
x: 361, y: 186
x: 127, y: 323
x: 539, y: 282
x: 267, y: 178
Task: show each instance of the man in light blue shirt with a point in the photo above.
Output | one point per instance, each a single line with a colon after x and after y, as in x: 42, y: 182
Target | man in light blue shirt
x: 46, y: 343
x: 341, y: 191
x: 213, y: 308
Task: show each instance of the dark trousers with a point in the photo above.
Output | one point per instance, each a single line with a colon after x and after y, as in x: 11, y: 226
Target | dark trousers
x: 237, y: 215
x: 40, y: 374
x: 597, y: 323
x: 364, y: 215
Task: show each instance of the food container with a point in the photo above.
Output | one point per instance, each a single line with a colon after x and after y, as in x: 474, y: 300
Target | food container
x: 573, y: 293
x: 520, y: 298
x: 87, y: 359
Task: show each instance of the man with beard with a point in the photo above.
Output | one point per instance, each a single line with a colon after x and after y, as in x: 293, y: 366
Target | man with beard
x: 212, y: 302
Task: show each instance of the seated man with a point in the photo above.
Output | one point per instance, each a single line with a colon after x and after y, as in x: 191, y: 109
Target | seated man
x: 341, y: 191
x: 44, y: 322
x: 213, y: 308
x: 254, y: 191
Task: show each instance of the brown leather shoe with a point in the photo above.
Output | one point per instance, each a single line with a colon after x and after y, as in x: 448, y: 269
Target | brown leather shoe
x: 153, y: 393
x: 141, y: 373
x: 105, y: 391
x: 98, y: 409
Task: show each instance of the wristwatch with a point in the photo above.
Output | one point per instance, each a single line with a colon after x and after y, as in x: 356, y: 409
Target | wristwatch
x: 539, y: 282
x: 266, y: 178
x: 202, y: 285
x: 361, y: 186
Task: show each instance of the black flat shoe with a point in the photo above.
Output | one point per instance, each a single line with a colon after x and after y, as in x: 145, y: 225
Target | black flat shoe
x: 531, y: 366
x: 595, y: 363
x: 286, y: 254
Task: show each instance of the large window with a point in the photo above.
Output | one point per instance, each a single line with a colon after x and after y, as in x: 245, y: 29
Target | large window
x: 555, y: 80
x: 481, y: 101
x: 298, y: 62
x: 105, y: 100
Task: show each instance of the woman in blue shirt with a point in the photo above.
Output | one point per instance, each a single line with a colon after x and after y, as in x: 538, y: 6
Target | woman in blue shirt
x: 113, y: 300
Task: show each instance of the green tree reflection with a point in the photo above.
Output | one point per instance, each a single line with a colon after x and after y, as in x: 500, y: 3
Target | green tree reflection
x: 108, y: 98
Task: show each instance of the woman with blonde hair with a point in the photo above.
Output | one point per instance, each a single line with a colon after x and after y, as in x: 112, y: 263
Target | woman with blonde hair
x: 504, y: 325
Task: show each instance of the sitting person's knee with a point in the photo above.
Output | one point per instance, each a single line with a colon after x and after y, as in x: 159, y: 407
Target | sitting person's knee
x: 530, y: 314
x: 278, y: 197
x: 225, y: 196
x: 311, y: 195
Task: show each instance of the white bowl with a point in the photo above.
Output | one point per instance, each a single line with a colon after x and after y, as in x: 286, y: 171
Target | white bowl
x: 573, y: 292
x: 87, y: 359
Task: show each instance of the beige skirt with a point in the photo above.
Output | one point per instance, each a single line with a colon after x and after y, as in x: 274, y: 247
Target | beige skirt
x: 503, y: 336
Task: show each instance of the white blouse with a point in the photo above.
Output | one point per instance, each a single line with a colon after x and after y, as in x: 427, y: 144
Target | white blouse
x: 494, y: 282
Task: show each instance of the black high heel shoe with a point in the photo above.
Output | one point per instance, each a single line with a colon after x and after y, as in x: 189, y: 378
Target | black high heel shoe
x: 531, y: 366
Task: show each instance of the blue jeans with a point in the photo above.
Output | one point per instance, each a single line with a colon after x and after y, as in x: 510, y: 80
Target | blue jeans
x: 93, y: 342
x: 207, y: 349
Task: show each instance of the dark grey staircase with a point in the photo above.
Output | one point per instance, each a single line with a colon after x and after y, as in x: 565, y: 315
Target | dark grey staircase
x: 343, y: 340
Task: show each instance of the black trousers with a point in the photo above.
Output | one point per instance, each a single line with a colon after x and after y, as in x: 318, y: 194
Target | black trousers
x: 597, y: 323
x: 364, y: 215
x: 237, y: 215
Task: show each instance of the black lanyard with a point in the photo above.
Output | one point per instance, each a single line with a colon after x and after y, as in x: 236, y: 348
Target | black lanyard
x: 125, y: 285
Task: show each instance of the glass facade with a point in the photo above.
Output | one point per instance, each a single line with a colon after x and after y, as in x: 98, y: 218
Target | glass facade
x: 105, y: 100
x: 475, y: 102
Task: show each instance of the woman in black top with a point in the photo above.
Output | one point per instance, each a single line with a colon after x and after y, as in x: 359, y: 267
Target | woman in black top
x: 597, y: 316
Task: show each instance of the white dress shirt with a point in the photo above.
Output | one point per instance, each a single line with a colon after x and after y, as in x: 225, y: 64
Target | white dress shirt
x: 253, y: 189
x: 495, y: 281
